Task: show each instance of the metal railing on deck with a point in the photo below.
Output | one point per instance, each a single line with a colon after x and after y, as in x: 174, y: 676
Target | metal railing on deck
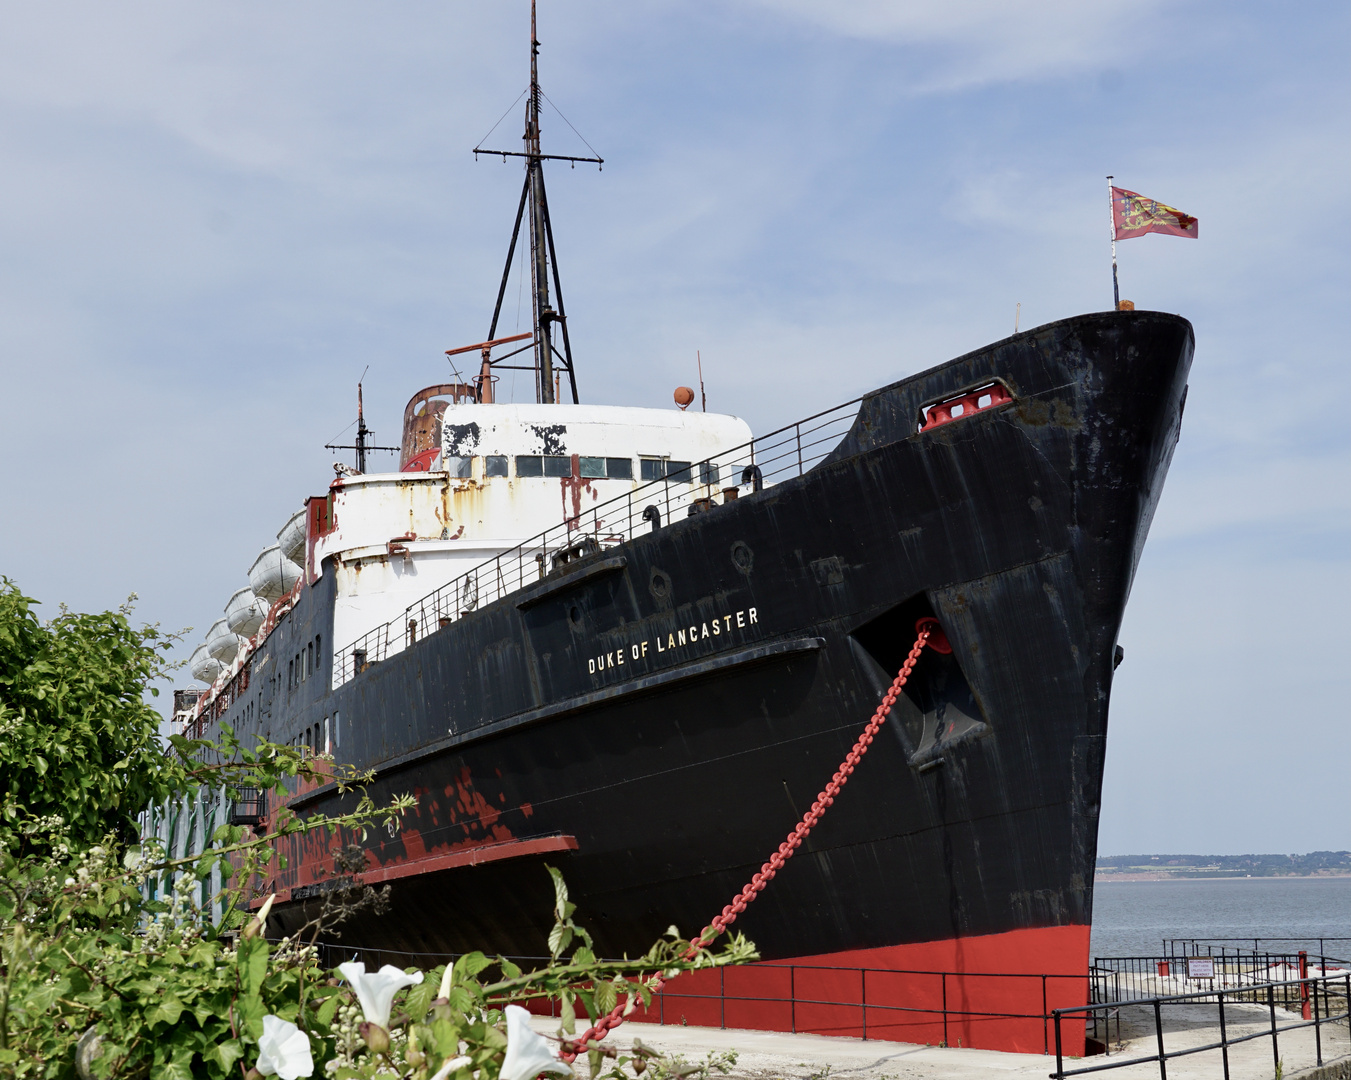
x: 789, y: 452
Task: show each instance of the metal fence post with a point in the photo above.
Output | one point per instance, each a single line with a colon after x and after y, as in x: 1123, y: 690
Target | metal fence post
x: 1158, y: 1035
x: 944, y: 977
x: 1317, y: 1031
x: 1059, y: 1056
x: 1275, y: 1049
x: 1224, y: 1039
x: 1045, y: 1033
x: 863, y: 999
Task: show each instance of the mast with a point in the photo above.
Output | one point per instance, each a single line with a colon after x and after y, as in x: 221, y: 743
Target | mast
x: 362, y: 432
x: 546, y: 312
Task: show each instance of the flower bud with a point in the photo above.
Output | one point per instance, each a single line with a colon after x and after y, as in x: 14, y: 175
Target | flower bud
x: 259, y: 922
x: 374, y: 1036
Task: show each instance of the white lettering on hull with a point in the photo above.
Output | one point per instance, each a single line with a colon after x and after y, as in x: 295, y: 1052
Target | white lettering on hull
x: 720, y: 627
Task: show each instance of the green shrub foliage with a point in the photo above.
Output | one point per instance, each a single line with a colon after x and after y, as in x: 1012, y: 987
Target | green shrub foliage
x: 108, y: 968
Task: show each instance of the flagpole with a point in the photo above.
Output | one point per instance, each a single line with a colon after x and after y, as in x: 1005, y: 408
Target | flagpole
x: 1111, y: 221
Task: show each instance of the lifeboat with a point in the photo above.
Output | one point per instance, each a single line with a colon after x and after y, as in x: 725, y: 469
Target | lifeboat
x: 205, y: 668
x: 222, y: 642
x: 245, y: 613
x: 291, y: 539
x: 272, y: 574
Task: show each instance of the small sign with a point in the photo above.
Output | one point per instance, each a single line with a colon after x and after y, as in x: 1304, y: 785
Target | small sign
x: 1200, y: 967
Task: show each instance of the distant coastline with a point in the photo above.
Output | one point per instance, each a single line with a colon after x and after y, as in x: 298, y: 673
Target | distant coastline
x: 1316, y: 864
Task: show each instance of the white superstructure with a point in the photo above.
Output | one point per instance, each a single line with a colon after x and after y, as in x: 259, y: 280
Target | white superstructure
x: 505, y: 473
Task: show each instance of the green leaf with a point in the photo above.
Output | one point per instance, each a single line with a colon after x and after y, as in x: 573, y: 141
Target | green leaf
x: 225, y: 1054
x: 469, y: 965
x: 328, y: 1010
x: 252, y: 961
x: 419, y: 999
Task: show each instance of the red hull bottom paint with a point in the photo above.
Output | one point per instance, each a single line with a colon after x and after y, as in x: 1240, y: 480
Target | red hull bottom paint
x: 995, y: 989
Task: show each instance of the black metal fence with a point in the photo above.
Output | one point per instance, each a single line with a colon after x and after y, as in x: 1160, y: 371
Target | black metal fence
x: 1323, y: 994
x: 1225, y: 946
x: 1140, y: 978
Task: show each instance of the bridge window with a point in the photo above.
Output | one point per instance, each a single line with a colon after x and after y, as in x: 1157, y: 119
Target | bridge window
x: 619, y: 468
x: 557, y: 465
x: 708, y: 472
x: 495, y: 465
x: 529, y: 465
x: 592, y: 467
x: 679, y: 472
x: 460, y: 467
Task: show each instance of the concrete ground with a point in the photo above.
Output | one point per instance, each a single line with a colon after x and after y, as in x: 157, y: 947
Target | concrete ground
x: 761, y: 1055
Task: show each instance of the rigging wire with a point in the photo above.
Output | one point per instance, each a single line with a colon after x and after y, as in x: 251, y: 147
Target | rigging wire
x: 566, y: 121
x: 504, y: 116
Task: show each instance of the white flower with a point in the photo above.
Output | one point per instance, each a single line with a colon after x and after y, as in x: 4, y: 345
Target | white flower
x: 284, y: 1050
x: 528, y: 1053
x: 451, y: 1065
x: 376, y: 991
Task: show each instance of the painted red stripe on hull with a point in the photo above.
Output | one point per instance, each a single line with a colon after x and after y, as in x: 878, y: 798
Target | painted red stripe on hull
x: 996, y: 988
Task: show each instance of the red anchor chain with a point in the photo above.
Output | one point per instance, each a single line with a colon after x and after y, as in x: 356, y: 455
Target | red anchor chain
x: 929, y: 633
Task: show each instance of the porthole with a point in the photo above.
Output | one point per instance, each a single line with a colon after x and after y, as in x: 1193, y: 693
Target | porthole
x: 742, y: 556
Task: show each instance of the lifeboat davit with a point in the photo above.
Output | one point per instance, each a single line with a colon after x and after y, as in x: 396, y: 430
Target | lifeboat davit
x: 245, y: 613
x: 204, y: 667
x: 272, y: 574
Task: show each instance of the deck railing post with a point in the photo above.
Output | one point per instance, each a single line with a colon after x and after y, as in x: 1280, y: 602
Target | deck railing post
x: 863, y: 998
x: 722, y: 998
x: 792, y: 999
x: 1059, y: 1055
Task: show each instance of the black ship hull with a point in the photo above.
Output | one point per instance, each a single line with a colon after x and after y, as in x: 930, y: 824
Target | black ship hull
x: 752, y: 644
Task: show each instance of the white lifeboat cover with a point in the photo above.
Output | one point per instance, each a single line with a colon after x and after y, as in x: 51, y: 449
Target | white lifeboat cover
x: 204, y: 667
x: 291, y: 539
x: 245, y: 613
x: 222, y: 642
x: 272, y: 575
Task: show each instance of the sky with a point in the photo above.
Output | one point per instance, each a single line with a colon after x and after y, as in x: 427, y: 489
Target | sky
x: 214, y: 217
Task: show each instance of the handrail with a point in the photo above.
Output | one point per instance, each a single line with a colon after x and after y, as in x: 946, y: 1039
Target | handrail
x: 789, y: 451
x: 1306, y: 985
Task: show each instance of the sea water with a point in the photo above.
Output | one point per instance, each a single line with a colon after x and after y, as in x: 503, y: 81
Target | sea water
x: 1131, y: 918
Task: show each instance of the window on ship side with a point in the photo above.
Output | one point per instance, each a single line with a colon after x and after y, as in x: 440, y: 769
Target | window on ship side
x: 495, y: 465
x: 651, y: 468
x: 529, y: 465
x: 461, y: 468
x: 557, y: 465
x: 614, y: 468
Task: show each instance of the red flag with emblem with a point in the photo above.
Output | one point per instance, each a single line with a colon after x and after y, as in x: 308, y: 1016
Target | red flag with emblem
x: 1134, y: 215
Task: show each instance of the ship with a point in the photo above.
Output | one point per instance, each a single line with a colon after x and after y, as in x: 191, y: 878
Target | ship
x: 634, y: 644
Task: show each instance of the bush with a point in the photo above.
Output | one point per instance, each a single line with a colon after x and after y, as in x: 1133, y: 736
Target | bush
x: 99, y: 980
